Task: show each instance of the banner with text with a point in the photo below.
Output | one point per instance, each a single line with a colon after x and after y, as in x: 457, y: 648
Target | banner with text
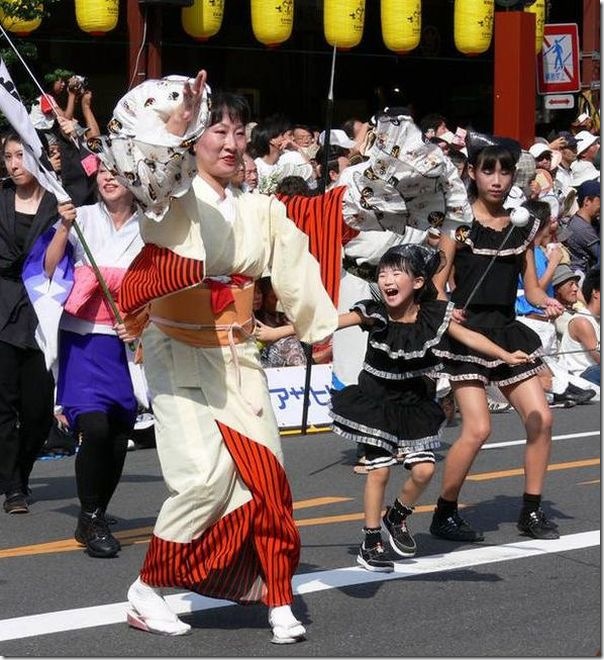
x: 286, y: 386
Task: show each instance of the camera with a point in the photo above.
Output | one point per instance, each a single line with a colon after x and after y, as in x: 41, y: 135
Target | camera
x: 77, y: 83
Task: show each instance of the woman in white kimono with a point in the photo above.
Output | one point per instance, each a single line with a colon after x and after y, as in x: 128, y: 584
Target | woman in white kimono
x: 94, y: 386
x: 226, y: 529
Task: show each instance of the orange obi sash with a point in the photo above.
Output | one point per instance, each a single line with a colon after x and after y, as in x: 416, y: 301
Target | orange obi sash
x: 189, y: 316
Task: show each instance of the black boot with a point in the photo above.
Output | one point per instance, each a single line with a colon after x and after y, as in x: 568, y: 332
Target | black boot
x: 93, y: 532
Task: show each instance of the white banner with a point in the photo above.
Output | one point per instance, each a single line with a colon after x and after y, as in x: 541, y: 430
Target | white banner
x: 286, y: 386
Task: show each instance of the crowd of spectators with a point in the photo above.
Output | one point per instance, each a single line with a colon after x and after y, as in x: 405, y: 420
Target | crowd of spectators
x: 557, y: 180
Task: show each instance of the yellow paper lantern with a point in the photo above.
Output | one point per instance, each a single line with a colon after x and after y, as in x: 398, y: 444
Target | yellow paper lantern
x: 97, y: 17
x: 401, y: 24
x: 343, y: 22
x: 17, y: 25
x: 203, y: 19
x: 538, y: 8
x: 272, y: 21
x: 473, y: 25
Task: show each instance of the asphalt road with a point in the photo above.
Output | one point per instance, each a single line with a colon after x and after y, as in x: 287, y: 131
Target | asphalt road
x: 508, y: 596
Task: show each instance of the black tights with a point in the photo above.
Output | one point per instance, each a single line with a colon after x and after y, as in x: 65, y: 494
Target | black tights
x: 103, y: 442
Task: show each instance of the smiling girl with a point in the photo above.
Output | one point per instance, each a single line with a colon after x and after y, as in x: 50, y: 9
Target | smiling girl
x: 392, y: 412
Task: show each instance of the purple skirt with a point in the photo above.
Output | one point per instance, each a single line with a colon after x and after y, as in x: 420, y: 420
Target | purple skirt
x: 94, y: 377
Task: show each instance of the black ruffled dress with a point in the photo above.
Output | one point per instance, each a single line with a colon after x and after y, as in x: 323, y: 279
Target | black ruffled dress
x: 393, y: 407
x: 492, y: 309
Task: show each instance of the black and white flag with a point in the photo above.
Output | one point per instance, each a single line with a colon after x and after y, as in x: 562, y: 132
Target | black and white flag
x: 35, y: 159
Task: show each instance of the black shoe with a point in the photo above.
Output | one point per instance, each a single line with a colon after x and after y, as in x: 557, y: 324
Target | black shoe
x: 16, y: 502
x: 583, y: 396
x: 399, y: 536
x: 454, y: 528
x: 375, y: 559
x: 573, y: 395
x: 93, y: 532
x: 536, y: 525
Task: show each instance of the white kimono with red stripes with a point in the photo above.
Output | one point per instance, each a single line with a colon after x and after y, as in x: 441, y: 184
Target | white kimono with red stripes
x: 227, y: 529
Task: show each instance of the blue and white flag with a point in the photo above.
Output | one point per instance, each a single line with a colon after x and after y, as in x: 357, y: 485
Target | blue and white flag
x: 35, y: 159
x: 48, y: 295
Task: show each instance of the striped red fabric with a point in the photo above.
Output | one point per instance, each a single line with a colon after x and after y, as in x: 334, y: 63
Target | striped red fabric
x: 320, y: 217
x: 248, y: 555
x: 156, y: 272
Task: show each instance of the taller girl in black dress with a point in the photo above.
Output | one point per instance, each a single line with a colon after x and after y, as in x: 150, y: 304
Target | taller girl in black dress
x: 491, y: 312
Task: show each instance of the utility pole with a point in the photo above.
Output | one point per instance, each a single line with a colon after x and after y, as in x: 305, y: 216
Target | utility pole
x: 144, y: 41
x: 590, y: 53
x: 514, y: 81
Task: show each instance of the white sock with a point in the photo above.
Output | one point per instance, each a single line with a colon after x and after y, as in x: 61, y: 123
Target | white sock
x: 149, y: 602
x: 282, y: 616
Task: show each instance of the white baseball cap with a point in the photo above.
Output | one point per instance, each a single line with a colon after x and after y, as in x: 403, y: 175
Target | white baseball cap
x: 538, y: 149
x: 584, y: 140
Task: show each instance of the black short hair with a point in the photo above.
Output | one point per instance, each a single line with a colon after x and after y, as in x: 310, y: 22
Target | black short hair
x: 234, y: 105
x: 590, y: 284
x: 540, y: 210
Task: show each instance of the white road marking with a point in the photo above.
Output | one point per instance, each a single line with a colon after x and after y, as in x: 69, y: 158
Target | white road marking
x: 187, y: 602
x: 568, y: 436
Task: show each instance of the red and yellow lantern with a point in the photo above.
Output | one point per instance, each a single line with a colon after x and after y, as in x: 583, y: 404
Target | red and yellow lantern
x: 343, y: 22
x: 473, y: 25
x: 203, y: 19
x: 19, y: 26
x: 401, y: 24
x: 272, y: 21
x: 97, y: 17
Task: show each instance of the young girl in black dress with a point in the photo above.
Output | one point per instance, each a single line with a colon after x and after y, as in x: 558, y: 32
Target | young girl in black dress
x: 488, y: 308
x: 392, y: 411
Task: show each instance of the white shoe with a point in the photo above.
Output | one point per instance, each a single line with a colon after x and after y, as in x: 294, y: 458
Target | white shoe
x: 150, y: 612
x: 286, y: 628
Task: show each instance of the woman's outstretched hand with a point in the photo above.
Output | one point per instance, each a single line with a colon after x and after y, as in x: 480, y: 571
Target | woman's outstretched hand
x: 192, y: 94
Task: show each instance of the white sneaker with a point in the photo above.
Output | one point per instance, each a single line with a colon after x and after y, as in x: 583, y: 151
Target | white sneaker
x: 150, y: 612
x: 286, y: 628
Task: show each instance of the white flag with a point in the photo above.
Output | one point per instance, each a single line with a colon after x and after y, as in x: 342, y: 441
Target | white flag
x: 34, y: 156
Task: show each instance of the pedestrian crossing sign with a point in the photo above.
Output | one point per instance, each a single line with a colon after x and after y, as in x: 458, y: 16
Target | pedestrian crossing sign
x: 558, y: 62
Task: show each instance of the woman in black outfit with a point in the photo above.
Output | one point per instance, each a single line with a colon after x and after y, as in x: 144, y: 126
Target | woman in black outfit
x: 26, y: 387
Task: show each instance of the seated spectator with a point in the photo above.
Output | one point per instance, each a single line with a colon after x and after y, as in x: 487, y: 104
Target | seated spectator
x: 554, y: 378
x: 583, y: 169
x: 286, y: 352
x: 546, y: 164
x: 580, y: 344
x: 338, y: 161
x: 304, y: 137
x: 582, y: 123
x: 568, y: 153
x: 583, y: 241
x: 250, y: 173
x: 293, y: 185
x: 276, y: 154
x: 566, y: 291
x: 525, y: 187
